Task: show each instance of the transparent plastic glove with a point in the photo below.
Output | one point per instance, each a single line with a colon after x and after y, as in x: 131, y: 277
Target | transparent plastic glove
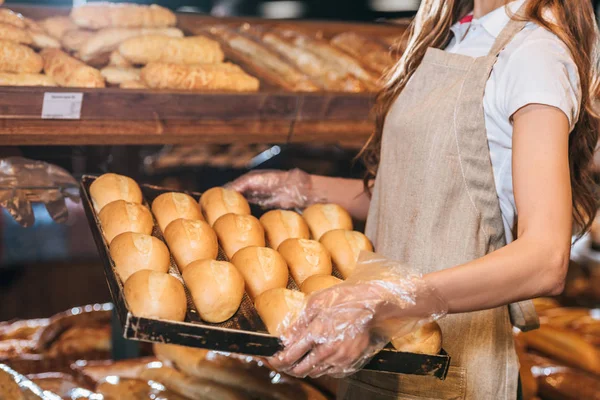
x: 24, y: 181
x: 340, y: 328
x: 276, y: 189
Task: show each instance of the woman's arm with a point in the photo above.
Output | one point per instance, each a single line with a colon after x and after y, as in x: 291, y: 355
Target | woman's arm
x: 348, y: 193
x: 536, y: 263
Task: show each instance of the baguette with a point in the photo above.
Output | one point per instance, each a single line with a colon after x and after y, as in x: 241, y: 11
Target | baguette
x: 8, y: 79
x: 57, y: 26
x: 12, y: 18
x: 189, y: 50
x: 109, y: 39
x: 116, y: 75
x: 18, y: 58
x: 373, y: 54
x: 108, y: 15
x: 72, y: 40
x: 226, y: 77
x: 14, y: 34
x: 115, y: 59
x: 69, y: 72
x: 133, y: 85
x: 41, y: 40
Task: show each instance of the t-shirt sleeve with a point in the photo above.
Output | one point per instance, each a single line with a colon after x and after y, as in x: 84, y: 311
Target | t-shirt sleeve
x: 542, y: 71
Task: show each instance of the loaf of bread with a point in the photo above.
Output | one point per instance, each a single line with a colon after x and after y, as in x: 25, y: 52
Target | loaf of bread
x: 132, y: 388
x: 69, y: 72
x: 40, y: 40
x: 171, y: 206
x: 118, y: 75
x: 175, y: 50
x: 370, y: 52
x: 126, y: 15
x: 155, y: 295
x: 110, y: 187
x: 236, y: 232
x: 305, y: 258
x: 322, y: 218
x: 73, y: 39
x: 8, y: 79
x: 217, y: 288
x: 345, y: 247
x: 199, y: 77
x: 11, y: 18
x: 218, y: 201
x: 191, y: 240
x: 133, y: 85
x: 567, y: 384
x: 278, y: 307
x: 132, y: 252
x: 120, y: 216
x: 19, y: 58
x: 315, y: 283
x: 425, y: 340
x: 9, y: 388
x: 57, y: 26
x: 13, y: 34
x: 280, y: 225
x: 262, y: 268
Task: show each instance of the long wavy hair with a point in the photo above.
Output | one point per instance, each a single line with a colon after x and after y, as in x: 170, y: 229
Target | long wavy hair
x: 573, y: 23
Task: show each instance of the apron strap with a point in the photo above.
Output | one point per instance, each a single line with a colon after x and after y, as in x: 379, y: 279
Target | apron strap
x: 514, y: 26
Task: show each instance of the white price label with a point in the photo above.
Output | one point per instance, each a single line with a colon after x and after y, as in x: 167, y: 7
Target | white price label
x: 62, y: 105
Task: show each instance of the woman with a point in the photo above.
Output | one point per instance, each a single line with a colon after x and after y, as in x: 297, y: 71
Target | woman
x: 484, y: 143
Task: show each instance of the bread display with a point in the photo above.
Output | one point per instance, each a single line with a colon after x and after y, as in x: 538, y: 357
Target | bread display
x: 262, y: 268
x: 41, y: 40
x: 280, y: 225
x: 315, y: 283
x: 345, y: 247
x: 132, y: 252
x: 118, y: 75
x: 8, y: 79
x: 305, y: 258
x: 278, y: 307
x: 191, y: 240
x: 376, y: 55
x: 127, y: 15
x: 171, y: 206
x: 57, y: 26
x: 69, y: 72
x: 14, y: 34
x: 218, y: 201
x: 322, y: 218
x: 73, y: 39
x: 110, y: 187
x: 425, y: 340
x: 17, y: 58
x: 171, y: 50
x: 11, y: 18
x: 155, y: 295
x: 236, y: 232
x: 120, y: 216
x: 216, y: 287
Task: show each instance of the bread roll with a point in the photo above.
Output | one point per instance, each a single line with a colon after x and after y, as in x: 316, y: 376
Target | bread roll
x: 11, y: 18
x: 110, y: 187
x: 117, y: 75
x: 345, y: 247
x: 120, y: 216
x: 191, y: 240
x: 280, y: 225
x: 126, y: 15
x: 155, y: 295
x: 18, y: 58
x: 278, y: 307
x: 8, y: 79
x: 217, y: 288
x: 315, y: 283
x: 58, y: 26
x: 69, y: 72
x: 115, y: 59
x: 262, y: 269
x: 171, y: 206
x: 188, y: 50
x: 132, y: 252
x: 73, y: 39
x: 133, y: 85
x: 305, y: 258
x: 43, y: 41
x: 14, y: 34
x: 425, y: 340
x: 236, y: 232
x: 322, y: 218
x: 218, y: 201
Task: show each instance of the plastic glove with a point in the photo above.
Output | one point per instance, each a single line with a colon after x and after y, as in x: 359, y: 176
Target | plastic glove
x: 277, y: 189
x: 340, y: 328
x: 23, y: 181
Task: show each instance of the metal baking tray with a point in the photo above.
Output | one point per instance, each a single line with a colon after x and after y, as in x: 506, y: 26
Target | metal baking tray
x: 244, y: 333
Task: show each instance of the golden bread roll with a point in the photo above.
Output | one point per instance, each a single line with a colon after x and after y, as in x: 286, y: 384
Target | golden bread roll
x: 425, y: 340
x: 262, y: 268
x: 156, y: 295
x: 277, y: 308
x: 8, y: 79
x: 218, y: 201
x: 108, y: 40
x: 110, y: 187
x: 345, y: 247
x: 315, y: 283
x: 217, y: 288
x: 118, y: 75
x: 133, y: 85
x: 188, y: 50
x: 57, y: 26
x: 115, y: 59
x: 43, y: 41
x: 73, y: 39
x: 191, y: 240
x: 120, y: 216
x: 322, y: 218
x: 19, y: 58
x: 126, y: 15
x: 305, y: 258
x: 236, y: 232
x: 132, y: 252
x: 200, y: 77
x: 14, y: 34
x: 70, y: 72
x: 280, y: 225
x: 11, y: 18
x: 171, y: 206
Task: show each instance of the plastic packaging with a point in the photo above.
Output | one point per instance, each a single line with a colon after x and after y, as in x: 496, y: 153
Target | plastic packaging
x: 24, y: 181
x: 340, y: 328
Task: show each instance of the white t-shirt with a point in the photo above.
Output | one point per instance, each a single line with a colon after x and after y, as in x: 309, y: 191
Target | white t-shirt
x: 535, y: 68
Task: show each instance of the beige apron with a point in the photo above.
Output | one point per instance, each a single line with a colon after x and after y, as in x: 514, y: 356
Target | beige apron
x: 435, y: 206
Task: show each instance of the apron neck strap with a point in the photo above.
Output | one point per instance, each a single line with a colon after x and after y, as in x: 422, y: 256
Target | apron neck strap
x: 514, y: 26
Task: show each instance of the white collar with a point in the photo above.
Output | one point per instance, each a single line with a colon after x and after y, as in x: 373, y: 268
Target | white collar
x: 493, y: 22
